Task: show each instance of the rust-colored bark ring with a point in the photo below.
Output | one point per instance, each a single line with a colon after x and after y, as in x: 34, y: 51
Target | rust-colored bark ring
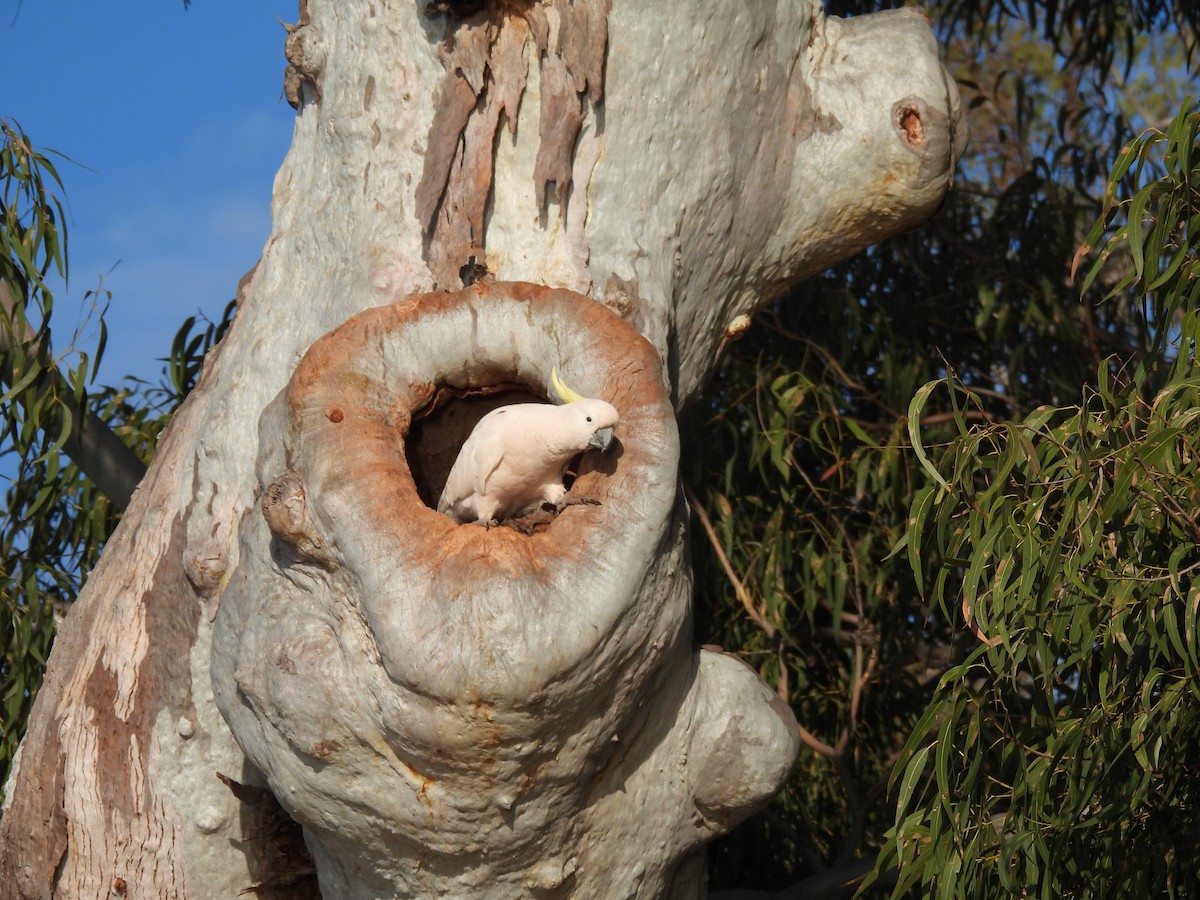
x: 350, y: 406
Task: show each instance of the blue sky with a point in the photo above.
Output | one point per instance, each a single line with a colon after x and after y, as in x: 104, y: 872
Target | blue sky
x: 178, y: 125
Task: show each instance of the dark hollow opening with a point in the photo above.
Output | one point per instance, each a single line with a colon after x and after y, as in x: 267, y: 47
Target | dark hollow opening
x: 440, y: 428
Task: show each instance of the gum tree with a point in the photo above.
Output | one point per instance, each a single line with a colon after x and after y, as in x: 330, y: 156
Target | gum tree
x: 475, y: 193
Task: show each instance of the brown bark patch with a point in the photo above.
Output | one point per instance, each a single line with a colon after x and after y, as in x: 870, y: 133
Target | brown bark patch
x: 937, y: 139
x: 35, y: 833
x: 483, y: 52
x: 622, y: 296
x: 454, y: 105
x: 561, y: 118
x: 910, y: 124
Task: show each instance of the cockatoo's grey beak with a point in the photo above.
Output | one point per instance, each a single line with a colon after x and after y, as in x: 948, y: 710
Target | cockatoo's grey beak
x: 601, y: 439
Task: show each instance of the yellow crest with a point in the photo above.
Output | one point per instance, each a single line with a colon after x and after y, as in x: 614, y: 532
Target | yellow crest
x: 567, y: 395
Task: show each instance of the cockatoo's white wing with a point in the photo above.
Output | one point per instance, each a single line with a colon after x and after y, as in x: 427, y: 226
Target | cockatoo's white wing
x: 479, y: 457
x: 489, y: 439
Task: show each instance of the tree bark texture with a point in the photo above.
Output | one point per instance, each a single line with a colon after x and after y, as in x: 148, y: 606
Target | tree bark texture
x: 467, y: 711
x: 452, y: 708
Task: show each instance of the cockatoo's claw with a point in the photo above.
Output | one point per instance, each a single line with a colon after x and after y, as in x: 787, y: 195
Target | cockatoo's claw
x: 573, y: 500
x: 528, y: 523
x: 542, y: 515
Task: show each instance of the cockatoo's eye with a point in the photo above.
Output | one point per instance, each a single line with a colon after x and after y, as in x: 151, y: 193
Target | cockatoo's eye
x: 589, y: 418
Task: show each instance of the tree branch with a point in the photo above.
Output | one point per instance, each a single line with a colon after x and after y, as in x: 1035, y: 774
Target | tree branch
x: 91, y: 445
x: 809, y: 739
x: 738, y: 588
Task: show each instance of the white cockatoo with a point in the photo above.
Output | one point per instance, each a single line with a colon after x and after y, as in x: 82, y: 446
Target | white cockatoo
x: 516, y: 456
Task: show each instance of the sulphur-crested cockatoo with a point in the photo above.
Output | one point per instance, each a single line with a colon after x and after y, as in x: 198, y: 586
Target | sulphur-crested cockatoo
x: 516, y: 455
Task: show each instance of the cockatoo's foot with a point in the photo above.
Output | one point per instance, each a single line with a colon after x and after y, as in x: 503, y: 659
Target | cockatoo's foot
x: 535, y: 520
x: 541, y: 516
x: 574, y: 500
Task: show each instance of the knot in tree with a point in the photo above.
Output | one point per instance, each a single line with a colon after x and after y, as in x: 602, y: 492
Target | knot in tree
x: 466, y: 711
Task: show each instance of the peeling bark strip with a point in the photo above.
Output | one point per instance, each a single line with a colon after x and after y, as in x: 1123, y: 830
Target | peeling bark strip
x: 572, y: 66
x: 486, y: 75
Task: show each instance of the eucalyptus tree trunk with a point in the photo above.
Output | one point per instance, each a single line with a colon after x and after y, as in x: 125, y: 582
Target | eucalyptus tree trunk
x: 282, y: 616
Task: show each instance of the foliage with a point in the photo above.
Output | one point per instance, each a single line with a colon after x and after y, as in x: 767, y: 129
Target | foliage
x: 807, y: 471
x: 41, y: 541
x: 55, y: 521
x: 1058, y: 756
x: 1089, y: 36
